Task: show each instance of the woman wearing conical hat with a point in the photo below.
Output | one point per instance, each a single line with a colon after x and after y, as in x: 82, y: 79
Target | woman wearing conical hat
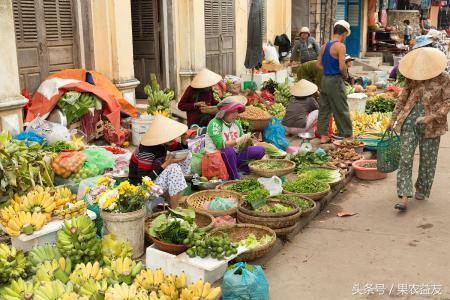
x: 421, y: 118
x: 151, y: 159
x: 300, y: 107
x: 199, y: 95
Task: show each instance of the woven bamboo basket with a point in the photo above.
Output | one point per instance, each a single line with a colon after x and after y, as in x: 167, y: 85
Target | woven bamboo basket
x: 203, y: 220
x: 197, y: 201
x: 305, y: 212
x: 313, y: 196
x: 289, y: 167
x: 281, y: 232
x: 258, y: 124
x: 227, y: 186
x: 239, y: 232
x: 273, y: 223
x: 245, y: 208
x: 335, y: 183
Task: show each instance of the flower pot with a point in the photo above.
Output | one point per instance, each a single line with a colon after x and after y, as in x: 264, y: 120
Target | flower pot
x: 367, y: 173
x: 127, y: 226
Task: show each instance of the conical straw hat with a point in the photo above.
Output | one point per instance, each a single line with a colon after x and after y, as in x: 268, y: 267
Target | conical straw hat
x: 303, y: 88
x: 423, y: 64
x: 162, y: 130
x: 205, y: 78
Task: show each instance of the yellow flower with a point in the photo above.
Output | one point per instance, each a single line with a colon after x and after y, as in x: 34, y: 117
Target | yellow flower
x: 108, y: 202
x: 148, y: 183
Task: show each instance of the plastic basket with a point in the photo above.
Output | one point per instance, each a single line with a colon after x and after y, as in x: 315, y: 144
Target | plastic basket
x: 388, y: 152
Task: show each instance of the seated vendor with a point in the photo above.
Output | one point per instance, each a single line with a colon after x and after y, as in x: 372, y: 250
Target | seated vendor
x: 299, y: 117
x: 225, y: 134
x: 151, y: 159
x: 199, y: 94
x: 355, y: 82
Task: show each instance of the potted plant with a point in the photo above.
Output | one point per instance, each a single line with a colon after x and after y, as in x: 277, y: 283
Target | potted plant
x: 122, y: 208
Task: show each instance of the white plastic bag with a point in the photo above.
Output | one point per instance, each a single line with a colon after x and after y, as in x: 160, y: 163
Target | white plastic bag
x: 271, y: 54
x: 274, y: 185
x: 53, y: 132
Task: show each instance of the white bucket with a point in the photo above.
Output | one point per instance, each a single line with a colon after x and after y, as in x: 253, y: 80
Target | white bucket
x: 357, y: 102
x: 138, y: 128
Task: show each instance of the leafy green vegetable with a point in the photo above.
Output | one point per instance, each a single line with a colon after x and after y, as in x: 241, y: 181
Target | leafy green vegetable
x: 251, y: 241
x: 282, y: 93
x: 325, y: 175
x: 173, y: 228
x: 272, y: 150
x: 22, y: 167
x: 276, y: 208
x: 58, y: 147
x: 245, y: 186
x: 308, y: 159
x: 305, y: 184
x: 302, y: 203
x: 270, y: 85
x: 380, y: 103
x: 257, y: 198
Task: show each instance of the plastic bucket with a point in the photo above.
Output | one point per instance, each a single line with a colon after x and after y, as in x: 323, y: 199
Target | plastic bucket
x: 357, y: 102
x: 138, y: 128
x: 127, y: 226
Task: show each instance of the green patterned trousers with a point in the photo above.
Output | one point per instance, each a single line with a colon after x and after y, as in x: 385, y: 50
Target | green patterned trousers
x: 413, y: 134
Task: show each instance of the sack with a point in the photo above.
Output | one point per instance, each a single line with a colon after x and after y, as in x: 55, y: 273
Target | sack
x: 274, y: 185
x: 388, y: 152
x: 67, y: 163
x: 197, y: 144
x: 213, y: 166
x: 196, y: 164
x: 245, y: 282
x: 276, y: 134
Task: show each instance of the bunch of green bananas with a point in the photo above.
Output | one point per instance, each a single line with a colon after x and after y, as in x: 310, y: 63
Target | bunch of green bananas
x: 55, y: 290
x: 77, y: 240
x: 40, y: 254
x: 158, y: 100
x: 17, y: 290
x: 282, y: 93
x: 93, y: 289
x: 12, y: 263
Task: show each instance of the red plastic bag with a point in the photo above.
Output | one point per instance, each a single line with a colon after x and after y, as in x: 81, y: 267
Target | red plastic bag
x: 213, y: 166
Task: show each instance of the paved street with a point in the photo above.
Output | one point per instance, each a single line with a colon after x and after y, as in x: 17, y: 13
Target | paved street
x: 376, y: 246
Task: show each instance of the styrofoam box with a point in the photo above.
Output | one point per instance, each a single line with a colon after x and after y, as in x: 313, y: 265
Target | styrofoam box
x: 281, y: 76
x: 47, y: 235
x: 357, y: 102
x: 259, y: 79
x: 196, y: 268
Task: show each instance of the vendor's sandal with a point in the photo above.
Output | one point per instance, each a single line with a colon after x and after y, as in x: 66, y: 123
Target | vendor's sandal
x: 419, y: 196
x: 401, y: 207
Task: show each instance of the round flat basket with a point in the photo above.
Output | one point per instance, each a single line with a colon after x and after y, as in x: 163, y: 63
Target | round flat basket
x: 281, y: 232
x: 203, y: 220
x: 239, y: 232
x: 169, y: 248
x: 288, y: 167
x: 273, y: 223
x: 245, y: 208
x: 313, y: 196
x: 305, y: 212
x: 199, y: 199
x: 336, y: 182
x: 258, y: 124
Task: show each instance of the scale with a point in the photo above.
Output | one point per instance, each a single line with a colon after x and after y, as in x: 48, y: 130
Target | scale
x: 306, y: 141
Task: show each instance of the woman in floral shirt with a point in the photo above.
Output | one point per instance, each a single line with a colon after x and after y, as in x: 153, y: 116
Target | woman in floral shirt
x: 225, y: 134
x: 421, y: 118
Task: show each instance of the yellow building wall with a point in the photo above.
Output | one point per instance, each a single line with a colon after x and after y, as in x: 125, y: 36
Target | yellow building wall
x: 278, y: 18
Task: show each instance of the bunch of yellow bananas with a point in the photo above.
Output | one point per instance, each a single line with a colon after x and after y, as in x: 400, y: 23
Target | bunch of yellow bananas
x: 70, y: 210
x: 125, y: 292
x: 362, y: 122
x: 12, y: 263
x: 84, y: 272
x: 63, y: 195
x: 125, y: 270
x: 57, y: 269
x: 38, y: 200
x: 92, y: 288
x: 18, y: 289
x: 25, y: 222
x: 200, y: 290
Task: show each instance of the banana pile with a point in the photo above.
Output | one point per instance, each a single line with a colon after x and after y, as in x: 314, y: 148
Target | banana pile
x: 18, y: 289
x: 39, y: 255
x: 78, y: 241
x: 30, y: 212
x: 56, y: 269
x: 113, y: 248
x: 363, y: 123
x: 70, y: 210
x: 12, y: 263
x: 84, y: 272
x: 125, y: 270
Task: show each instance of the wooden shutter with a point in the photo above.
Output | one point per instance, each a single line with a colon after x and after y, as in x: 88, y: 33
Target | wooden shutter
x: 28, y: 47
x: 59, y: 34
x: 220, y: 36
x: 145, y: 27
x: 45, y: 39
